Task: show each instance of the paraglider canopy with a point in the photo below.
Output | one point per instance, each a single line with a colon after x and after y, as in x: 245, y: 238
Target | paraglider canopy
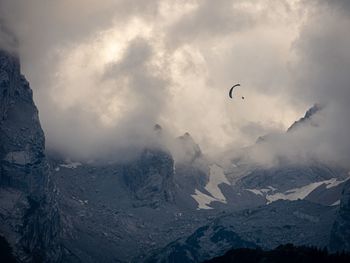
x: 231, y: 90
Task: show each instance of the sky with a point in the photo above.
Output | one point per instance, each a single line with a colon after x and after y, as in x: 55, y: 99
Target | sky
x: 104, y: 72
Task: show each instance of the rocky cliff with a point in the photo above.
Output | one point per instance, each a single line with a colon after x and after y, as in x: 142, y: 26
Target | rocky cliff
x: 29, y: 216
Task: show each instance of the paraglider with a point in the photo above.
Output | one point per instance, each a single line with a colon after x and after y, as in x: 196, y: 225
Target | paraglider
x: 231, y: 90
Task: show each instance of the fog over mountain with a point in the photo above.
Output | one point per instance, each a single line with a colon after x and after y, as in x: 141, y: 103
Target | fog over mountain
x: 120, y: 140
x: 103, y: 73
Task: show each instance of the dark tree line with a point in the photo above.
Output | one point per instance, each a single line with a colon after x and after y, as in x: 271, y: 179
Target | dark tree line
x: 6, y: 255
x: 284, y: 253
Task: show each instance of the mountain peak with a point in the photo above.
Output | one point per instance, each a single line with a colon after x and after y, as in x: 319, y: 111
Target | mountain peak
x: 186, y: 136
x: 189, y: 149
x: 307, y: 117
x: 157, y: 127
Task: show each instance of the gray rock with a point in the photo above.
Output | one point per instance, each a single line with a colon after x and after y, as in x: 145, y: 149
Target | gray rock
x: 29, y: 216
x: 151, y: 177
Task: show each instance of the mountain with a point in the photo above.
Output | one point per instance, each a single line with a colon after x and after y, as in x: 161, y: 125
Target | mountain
x: 307, y: 119
x: 190, y: 208
x: 164, y: 205
x: 120, y: 211
x: 29, y: 217
x: 287, y: 203
x: 151, y: 177
x: 287, y: 179
x: 282, y: 222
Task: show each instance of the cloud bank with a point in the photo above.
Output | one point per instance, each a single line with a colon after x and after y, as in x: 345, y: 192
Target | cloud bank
x: 104, y: 73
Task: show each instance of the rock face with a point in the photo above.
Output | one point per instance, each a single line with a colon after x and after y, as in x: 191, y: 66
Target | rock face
x: 116, y: 212
x: 150, y: 177
x: 29, y: 216
x: 192, y: 170
x: 340, y: 236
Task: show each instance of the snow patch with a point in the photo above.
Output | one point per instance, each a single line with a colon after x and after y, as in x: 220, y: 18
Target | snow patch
x: 333, y: 182
x: 71, y: 165
x: 203, y: 200
x: 83, y: 202
x: 262, y: 191
x: 336, y: 203
x: 216, y: 177
x: 272, y: 188
x: 296, y: 193
x: 255, y: 191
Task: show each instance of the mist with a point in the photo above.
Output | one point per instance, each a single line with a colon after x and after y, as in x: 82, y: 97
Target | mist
x: 104, y: 74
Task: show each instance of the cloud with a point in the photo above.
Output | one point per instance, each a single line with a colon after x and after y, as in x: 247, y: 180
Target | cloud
x: 104, y: 73
x: 209, y: 20
x: 114, y: 105
x: 320, y: 75
x: 8, y: 41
